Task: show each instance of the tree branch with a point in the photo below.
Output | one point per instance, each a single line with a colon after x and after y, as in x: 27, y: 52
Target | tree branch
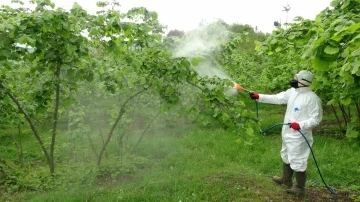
x: 28, y: 119
x: 194, y: 85
x: 121, y: 113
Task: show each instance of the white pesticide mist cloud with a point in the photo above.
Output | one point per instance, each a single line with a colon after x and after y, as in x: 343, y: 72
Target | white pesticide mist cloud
x: 206, y: 69
x: 202, y: 40
x: 199, y: 42
x: 195, y: 46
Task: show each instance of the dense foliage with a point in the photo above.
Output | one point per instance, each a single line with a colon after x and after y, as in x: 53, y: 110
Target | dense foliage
x: 94, y: 78
x: 329, y: 47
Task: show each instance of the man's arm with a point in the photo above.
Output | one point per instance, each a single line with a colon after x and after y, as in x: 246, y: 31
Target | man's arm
x: 280, y: 98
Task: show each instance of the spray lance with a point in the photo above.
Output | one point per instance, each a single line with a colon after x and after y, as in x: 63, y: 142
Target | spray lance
x: 238, y: 87
x: 330, y: 188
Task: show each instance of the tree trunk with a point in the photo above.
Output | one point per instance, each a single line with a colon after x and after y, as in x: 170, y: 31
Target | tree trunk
x: 121, y: 113
x: 92, y: 146
x: 143, y: 133
x: 337, y: 118
x: 346, y: 119
x: 358, y: 111
x: 120, y: 147
x: 55, y: 119
x: 21, y: 152
x: 103, y: 143
x: 71, y: 141
x: 16, y: 143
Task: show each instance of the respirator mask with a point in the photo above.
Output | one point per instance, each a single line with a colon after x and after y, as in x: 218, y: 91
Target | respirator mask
x: 294, y: 83
x: 303, y: 77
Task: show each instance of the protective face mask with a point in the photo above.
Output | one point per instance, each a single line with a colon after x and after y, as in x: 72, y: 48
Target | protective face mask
x: 294, y: 83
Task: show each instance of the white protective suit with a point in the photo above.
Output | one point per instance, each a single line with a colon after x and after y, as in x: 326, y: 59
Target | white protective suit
x: 303, y: 107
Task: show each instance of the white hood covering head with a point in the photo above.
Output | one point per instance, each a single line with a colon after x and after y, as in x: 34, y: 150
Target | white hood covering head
x: 304, y: 77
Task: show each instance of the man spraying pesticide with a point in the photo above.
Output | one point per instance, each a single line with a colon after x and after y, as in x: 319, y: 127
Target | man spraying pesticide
x: 304, y: 111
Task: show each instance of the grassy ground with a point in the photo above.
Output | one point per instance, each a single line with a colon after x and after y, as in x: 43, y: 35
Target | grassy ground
x: 191, y: 163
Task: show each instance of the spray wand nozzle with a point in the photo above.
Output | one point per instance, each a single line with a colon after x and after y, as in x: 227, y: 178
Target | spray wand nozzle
x: 238, y: 87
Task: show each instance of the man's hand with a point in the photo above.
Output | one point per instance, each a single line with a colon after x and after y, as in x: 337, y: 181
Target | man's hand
x: 254, y: 96
x: 295, y: 126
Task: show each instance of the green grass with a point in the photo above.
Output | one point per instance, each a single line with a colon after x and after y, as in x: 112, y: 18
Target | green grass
x: 191, y: 163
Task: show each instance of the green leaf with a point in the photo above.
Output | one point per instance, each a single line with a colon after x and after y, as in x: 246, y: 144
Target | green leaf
x: 350, y: 126
x: 346, y: 67
x: 338, y: 36
x: 278, y: 49
x: 154, y: 15
x: 356, y: 67
x: 93, y: 31
x: 129, y: 59
x: 352, y: 28
x: 195, y: 61
x: 332, y: 101
x: 185, y: 63
x: 225, y: 117
x: 291, y: 37
x: 320, y: 64
x: 345, y: 101
x: 345, y: 53
x: 356, y: 52
x: 349, y: 79
x: 307, y: 52
x: 331, y: 50
x: 239, y: 103
x: 357, y: 37
x: 345, y: 4
x: 352, y: 134
x: 238, y: 141
x: 71, y: 49
x: 48, y: 15
x: 339, y: 27
x: 334, y: 3
x: 68, y: 102
x: 136, y: 63
x: 274, y: 41
x: 216, y: 112
x: 250, y: 131
x: 26, y: 40
x: 2, y: 27
x: 247, y: 143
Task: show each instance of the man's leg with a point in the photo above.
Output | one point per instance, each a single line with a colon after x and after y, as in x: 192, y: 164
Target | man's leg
x: 298, y: 155
x: 287, y: 172
x: 286, y: 177
x: 299, y: 187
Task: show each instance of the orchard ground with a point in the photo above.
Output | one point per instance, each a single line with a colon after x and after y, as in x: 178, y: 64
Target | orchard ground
x: 196, y: 163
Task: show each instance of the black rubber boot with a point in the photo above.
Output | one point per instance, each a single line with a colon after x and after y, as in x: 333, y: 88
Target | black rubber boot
x: 286, y: 178
x: 299, y: 187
